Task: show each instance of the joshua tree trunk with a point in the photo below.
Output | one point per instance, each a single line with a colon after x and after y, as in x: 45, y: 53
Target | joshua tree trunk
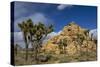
x: 26, y: 47
x: 26, y: 52
x: 36, y: 51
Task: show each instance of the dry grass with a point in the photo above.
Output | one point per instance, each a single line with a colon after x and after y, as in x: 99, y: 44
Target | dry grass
x: 61, y: 58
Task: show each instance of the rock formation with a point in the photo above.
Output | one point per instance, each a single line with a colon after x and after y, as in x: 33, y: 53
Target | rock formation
x: 72, y: 41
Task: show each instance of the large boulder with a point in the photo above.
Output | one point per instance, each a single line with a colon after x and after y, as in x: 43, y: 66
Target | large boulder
x: 77, y: 40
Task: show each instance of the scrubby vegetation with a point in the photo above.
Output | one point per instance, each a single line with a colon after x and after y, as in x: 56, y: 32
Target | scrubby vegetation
x: 71, y: 45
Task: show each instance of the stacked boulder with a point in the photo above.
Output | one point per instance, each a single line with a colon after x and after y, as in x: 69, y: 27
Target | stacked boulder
x: 73, y: 39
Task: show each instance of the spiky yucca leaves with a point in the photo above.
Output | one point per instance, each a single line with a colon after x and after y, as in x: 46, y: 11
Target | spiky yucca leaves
x: 39, y: 31
x: 24, y: 28
x: 34, y: 33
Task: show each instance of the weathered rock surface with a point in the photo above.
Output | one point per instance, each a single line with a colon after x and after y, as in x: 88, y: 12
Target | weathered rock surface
x: 74, y: 37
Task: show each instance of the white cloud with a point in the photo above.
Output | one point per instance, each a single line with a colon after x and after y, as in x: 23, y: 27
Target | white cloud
x: 51, y: 35
x: 37, y: 17
x: 93, y: 34
x: 59, y: 32
x: 63, y: 6
x: 18, y: 38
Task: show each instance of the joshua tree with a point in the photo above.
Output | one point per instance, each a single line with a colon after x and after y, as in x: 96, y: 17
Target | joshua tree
x: 39, y: 31
x: 63, y: 45
x: 86, y: 32
x: 60, y: 46
x: 34, y: 33
x: 24, y: 28
x: 87, y: 39
x: 80, y: 40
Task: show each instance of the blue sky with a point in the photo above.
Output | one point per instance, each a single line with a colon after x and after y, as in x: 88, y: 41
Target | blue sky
x: 57, y: 14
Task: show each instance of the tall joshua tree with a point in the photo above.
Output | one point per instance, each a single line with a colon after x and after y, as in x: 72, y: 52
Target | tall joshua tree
x: 23, y: 26
x: 34, y: 33
x: 38, y: 32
